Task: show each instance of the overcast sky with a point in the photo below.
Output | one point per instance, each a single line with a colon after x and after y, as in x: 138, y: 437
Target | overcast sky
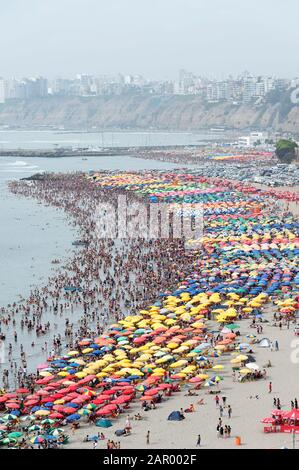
x: 153, y: 37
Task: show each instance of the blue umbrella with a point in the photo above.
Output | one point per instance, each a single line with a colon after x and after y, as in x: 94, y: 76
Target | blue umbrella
x: 73, y: 417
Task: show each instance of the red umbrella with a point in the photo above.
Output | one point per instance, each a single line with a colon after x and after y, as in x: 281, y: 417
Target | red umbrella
x: 293, y: 414
x: 12, y: 406
x: 110, y: 407
x: 146, y: 398
x: 120, y: 400
x: 68, y: 410
x: 31, y: 402
x: 44, y: 381
x: 21, y: 391
x: 56, y: 396
x: 80, y: 400
x: 10, y: 395
x: 108, y: 392
x: 86, y: 379
x: 152, y: 391
x: 58, y: 407
x: 43, y: 393
x: 278, y: 413
x: 128, y: 391
x: 32, y: 397
x: 99, y: 401
x: 104, y: 412
x: 268, y: 421
x: 56, y: 415
x: 46, y: 400
x: 3, y: 399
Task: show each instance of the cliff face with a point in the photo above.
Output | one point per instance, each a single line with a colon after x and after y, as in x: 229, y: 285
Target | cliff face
x: 146, y: 112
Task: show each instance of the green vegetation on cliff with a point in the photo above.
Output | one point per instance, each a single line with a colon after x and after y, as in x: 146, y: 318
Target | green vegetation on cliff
x: 286, y: 150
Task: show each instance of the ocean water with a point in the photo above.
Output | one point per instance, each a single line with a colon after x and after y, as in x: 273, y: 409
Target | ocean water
x: 53, y: 139
x: 32, y: 235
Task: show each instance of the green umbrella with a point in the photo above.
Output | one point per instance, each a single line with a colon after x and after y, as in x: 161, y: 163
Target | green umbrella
x: 232, y: 326
x: 35, y: 427
x: 15, y: 435
x: 48, y: 421
x: 9, y: 417
x: 7, y: 440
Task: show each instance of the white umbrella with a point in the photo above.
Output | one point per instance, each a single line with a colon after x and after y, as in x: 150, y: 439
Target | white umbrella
x: 225, y: 330
x: 252, y: 366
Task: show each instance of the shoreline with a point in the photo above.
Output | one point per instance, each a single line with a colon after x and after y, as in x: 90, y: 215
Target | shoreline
x: 92, y: 189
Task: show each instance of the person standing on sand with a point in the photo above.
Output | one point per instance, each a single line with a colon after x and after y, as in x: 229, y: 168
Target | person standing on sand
x: 270, y: 387
x: 148, y: 437
x: 198, y: 440
x: 229, y: 411
x: 217, y: 400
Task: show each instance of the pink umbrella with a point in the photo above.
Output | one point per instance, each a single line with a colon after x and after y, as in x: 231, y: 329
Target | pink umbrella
x: 42, y: 366
x: 12, y: 406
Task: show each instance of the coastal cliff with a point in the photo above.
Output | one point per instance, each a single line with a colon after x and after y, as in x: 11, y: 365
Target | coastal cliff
x: 183, y: 113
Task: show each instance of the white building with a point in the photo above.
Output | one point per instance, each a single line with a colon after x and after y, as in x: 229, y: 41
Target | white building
x: 253, y: 139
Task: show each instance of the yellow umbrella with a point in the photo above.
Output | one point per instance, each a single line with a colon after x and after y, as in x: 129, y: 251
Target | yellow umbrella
x: 42, y: 413
x: 81, y: 375
x: 218, y: 367
x: 203, y: 376
x: 45, y: 373
x: 87, y: 350
x: 245, y: 371
x: 59, y: 402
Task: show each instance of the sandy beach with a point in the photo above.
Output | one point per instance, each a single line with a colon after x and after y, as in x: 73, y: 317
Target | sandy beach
x: 246, y: 412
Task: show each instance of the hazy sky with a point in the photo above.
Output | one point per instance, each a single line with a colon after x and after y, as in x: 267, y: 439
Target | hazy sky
x: 152, y: 37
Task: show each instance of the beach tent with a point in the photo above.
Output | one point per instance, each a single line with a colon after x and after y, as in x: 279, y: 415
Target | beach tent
x: 104, y: 423
x: 265, y: 343
x: 175, y: 416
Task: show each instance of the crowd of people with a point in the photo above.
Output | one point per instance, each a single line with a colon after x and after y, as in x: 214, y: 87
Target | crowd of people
x: 103, y: 280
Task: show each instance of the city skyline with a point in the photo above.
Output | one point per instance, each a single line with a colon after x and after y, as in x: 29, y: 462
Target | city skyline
x: 244, y: 88
x: 152, y: 38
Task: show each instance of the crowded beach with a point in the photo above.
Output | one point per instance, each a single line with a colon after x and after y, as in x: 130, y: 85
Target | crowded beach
x: 167, y: 342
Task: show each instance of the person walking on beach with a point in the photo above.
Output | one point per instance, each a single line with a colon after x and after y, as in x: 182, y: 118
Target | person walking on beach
x: 296, y: 404
x: 221, y: 411
x: 217, y: 400
x: 198, y: 440
x: 276, y: 346
x: 270, y: 387
x: 229, y: 411
x: 148, y: 437
x: 224, y: 401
